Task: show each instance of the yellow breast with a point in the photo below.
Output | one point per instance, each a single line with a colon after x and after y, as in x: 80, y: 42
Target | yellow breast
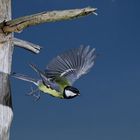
x: 50, y: 91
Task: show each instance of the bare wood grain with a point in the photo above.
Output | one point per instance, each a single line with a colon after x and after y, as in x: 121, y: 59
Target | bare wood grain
x: 6, y: 113
x: 17, y: 25
x: 26, y: 45
x: 6, y: 50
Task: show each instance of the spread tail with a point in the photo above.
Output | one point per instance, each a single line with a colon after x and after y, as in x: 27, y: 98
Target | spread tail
x: 24, y: 78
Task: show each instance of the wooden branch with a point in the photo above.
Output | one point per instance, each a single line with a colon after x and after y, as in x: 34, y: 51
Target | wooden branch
x: 6, y: 51
x: 17, y: 25
x: 27, y: 45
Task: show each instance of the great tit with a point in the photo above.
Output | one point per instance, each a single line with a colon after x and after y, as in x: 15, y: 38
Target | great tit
x: 60, y: 74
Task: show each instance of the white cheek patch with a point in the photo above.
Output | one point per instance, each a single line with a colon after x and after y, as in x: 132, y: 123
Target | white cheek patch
x: 69, y: 93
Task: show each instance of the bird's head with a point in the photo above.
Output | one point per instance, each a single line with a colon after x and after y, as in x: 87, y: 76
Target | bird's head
x: 70, y: 92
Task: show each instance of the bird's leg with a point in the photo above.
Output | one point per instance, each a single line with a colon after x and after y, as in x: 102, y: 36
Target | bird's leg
x: 37, y: 96
x: 33, y: 91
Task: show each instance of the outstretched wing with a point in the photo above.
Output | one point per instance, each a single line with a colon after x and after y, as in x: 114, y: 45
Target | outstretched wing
x: 71, y: 65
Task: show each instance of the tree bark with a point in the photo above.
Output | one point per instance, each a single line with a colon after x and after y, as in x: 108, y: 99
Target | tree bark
x: 6, y: 50
x: 6, y: 113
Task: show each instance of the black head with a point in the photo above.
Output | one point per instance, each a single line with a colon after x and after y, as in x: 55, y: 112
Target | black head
x: 70, y: 92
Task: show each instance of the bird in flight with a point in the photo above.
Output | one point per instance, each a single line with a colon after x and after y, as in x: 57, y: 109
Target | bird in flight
x: 60, y: 74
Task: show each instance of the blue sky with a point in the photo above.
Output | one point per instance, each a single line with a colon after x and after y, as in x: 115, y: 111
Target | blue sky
x: 108, y: 108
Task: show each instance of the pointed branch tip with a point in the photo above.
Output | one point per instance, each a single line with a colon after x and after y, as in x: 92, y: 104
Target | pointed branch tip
x: 27, y: 45
x: 17, y: 25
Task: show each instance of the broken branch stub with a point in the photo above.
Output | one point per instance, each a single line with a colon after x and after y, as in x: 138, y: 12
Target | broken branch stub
x: 27, y: 45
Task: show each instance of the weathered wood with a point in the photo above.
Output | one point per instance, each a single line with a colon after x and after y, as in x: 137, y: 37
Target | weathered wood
x: 17, y: 25
x: 6, y: 113
x: 5, y: 40
x: 6, y: 51
x: 26, y: 45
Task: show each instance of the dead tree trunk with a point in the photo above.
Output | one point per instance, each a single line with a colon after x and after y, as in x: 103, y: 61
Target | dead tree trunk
x: 6, y: 50
x: 7, y: 27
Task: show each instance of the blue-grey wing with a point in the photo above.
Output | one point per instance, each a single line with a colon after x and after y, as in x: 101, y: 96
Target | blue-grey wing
x: 72, y: 64
x: 49, y: 83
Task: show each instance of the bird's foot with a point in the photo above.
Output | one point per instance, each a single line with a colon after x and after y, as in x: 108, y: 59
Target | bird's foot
x: 35, y: 93
x: 37, y: 97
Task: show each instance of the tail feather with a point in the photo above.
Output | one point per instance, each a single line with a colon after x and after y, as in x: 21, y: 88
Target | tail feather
x: 24, y: 78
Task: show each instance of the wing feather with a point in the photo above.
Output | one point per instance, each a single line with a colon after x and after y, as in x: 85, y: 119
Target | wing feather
x: 71, y: 65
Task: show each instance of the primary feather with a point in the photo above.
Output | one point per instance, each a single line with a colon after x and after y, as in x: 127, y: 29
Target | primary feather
x: 71, y: 65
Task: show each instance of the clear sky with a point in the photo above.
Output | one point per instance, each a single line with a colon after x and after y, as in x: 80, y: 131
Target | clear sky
x: 109, y: 105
